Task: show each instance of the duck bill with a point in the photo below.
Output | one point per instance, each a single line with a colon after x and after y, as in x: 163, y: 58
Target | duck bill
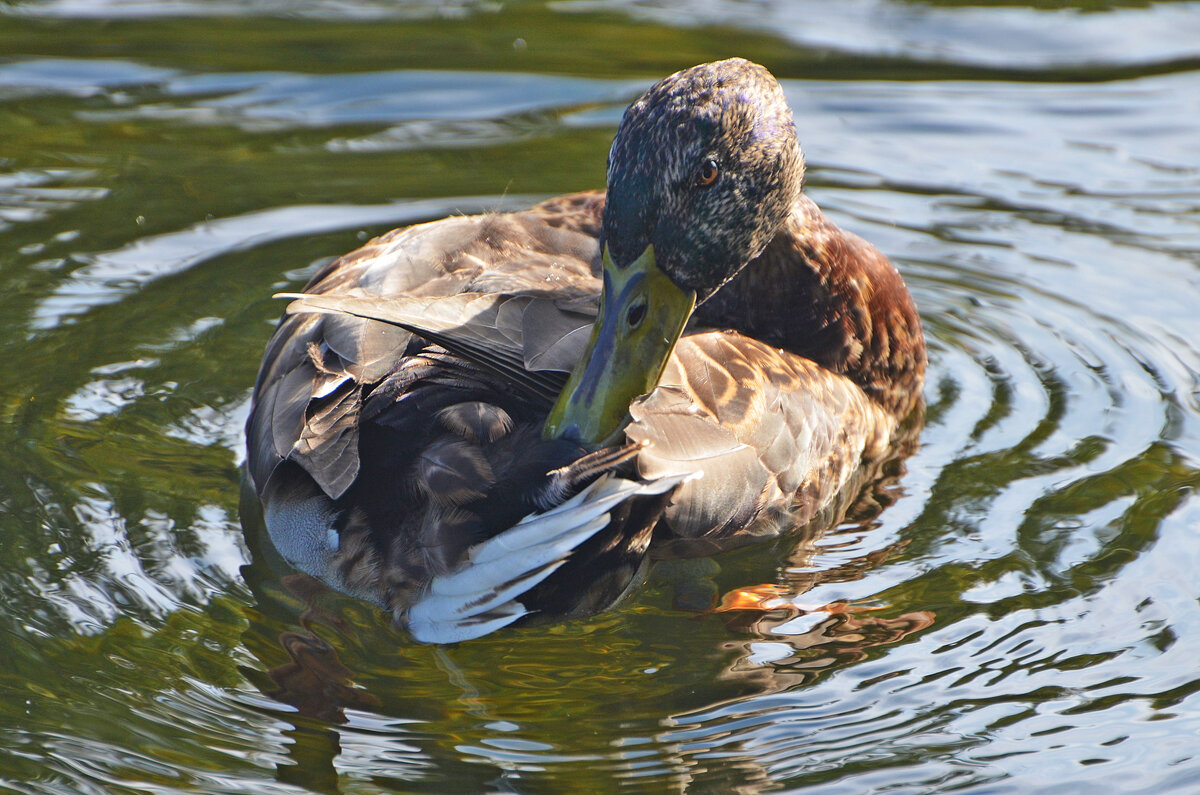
x: 642, y: 314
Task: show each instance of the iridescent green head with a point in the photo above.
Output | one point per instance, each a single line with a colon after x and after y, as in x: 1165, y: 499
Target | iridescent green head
x: 703, y: 172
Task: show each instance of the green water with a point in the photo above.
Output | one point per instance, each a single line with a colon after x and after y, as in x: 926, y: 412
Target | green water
x: 1034, y: 603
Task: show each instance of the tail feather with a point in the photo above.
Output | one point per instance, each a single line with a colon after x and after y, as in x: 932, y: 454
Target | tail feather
x: 536, y: 529
x: 482, y: 594
x: 499, y: 579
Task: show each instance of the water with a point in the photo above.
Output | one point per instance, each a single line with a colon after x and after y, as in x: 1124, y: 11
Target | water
x: 1024, y: 614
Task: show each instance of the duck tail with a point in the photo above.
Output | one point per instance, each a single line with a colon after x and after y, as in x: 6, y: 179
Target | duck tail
x: 483, y: 593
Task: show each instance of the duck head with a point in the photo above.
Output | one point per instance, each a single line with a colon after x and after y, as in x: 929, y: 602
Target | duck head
x: 702, y: 174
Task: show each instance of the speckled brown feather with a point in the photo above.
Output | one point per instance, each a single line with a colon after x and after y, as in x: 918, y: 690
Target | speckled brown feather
x: 777, y: 437
x: 833, y: 298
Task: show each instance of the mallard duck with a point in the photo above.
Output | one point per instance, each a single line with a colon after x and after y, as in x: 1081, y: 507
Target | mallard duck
x: 489, y: 418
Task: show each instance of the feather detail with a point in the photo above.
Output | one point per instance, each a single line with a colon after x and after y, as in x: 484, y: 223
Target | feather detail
x: 476, y: 421
x: 453, y: 472
x: 482, y: 595
x: 470, y: 331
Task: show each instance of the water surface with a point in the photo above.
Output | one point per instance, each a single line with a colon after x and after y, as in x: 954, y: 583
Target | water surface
x: 1020, y: 604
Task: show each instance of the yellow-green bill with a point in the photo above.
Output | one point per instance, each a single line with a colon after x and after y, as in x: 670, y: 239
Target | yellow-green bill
x: 642, y: 314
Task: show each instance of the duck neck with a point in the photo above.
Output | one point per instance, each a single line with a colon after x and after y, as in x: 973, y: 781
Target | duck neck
x: 833, y: 298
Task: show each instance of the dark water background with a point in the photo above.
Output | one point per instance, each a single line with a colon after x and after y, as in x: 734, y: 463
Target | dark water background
x: 1025, y: 614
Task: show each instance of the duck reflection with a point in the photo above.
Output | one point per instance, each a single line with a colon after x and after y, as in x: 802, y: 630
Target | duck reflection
x: 315, y: 681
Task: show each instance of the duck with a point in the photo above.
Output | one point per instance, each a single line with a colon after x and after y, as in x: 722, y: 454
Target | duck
x: 504, y: 418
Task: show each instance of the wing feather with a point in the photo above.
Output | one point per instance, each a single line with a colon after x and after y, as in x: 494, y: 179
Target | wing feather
x: 773, y: 433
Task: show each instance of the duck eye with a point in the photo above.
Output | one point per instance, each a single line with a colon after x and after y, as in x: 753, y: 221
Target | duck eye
x: 708, y: 173
x: 636, y: 314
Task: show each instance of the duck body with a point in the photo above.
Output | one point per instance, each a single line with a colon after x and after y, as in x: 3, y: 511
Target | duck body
x: 399, y: 438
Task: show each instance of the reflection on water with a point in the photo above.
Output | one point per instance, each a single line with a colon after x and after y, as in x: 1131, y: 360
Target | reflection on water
x: 1014, y: 606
